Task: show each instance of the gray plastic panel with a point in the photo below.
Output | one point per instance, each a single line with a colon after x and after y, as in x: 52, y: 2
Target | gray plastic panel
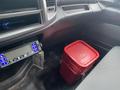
x: 105, y: 76
x: 66, y: 2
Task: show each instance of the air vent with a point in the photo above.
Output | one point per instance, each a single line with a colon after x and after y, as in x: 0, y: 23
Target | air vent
x: 51, y: 3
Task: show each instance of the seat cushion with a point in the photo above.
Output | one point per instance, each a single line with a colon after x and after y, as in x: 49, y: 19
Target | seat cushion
x: 106, y: 75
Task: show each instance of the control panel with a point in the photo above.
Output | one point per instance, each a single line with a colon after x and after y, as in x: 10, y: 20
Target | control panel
x: 19, y: 53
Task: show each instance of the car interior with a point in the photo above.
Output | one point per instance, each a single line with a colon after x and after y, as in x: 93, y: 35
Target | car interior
x: 37, y: 41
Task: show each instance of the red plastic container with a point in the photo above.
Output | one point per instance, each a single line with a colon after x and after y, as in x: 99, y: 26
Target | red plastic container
x: 78, y: 57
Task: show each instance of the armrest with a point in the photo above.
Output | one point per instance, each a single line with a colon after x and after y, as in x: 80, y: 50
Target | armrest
x: 106, y: 75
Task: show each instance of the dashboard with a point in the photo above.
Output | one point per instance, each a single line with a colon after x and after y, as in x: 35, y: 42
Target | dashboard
x: 25, y: 16
x: 18, y: 22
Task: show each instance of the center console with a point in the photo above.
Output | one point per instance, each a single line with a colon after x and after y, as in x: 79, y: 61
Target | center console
x: 19, y: 21
x: 18, y: 62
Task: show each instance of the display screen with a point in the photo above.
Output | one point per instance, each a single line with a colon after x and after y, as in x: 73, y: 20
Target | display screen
x: 17, y: 5
x: 18, y: 54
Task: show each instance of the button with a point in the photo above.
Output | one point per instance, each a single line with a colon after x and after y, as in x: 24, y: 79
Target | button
x: 4, y: 58
x: 2, y: 64
x: 1, y: 61
x: 1, y: 55
x: 15, y: 59
x: 6, y: 63
x: 22, y: 56
x: 25, y: 55
x: 18, y: 58
x: 9, y: 62
x: 35, y: 47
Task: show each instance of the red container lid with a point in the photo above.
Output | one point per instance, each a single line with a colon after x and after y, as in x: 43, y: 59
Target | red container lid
x: 81, y: 53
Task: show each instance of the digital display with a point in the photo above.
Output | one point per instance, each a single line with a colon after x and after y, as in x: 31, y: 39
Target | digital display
x: 18, y: 54
x: 17, y: 5
x: 3, y: 60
